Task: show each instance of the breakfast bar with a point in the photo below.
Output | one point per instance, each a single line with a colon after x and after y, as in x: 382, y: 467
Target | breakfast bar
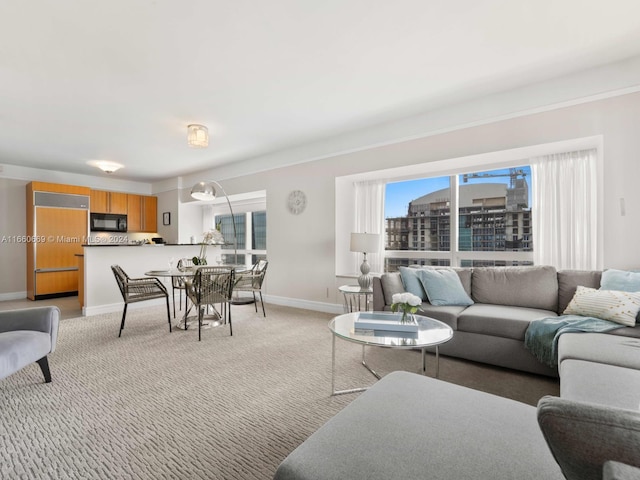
x: 101, y: 294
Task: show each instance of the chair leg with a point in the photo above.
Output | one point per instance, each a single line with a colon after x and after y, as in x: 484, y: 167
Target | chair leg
x: 264, y: 314
x: 200, y: 323
x: 229, y: 311
x: 255, y: 303
x: 173, y: 296
x: 169, y: 314
x: 44, y: 366
x: 124, y: 314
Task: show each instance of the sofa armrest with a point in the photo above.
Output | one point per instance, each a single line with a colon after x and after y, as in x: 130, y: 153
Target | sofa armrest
x: 41, y: 319
x: 583, y: 436
x: 378, y: 295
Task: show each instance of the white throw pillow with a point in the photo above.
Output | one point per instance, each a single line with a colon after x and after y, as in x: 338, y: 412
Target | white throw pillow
x: 612, y: 305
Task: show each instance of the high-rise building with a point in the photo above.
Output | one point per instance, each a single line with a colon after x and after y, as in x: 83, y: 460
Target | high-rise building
x: 491, y: 217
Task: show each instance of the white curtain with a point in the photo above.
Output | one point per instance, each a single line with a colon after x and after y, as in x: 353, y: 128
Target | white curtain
x: 369, y: 199
x: 565, y: 210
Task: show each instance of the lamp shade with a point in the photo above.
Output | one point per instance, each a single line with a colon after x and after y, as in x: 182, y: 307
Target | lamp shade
x: 365, y: 242
x: 203, y: 191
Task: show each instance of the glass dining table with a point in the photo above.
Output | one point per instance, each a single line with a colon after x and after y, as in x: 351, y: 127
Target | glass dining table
x: 212, y: 317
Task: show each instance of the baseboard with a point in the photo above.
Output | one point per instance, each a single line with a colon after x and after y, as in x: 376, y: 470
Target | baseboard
x: 13, y: 296
x: 119, y: 307
x: 305, y: 304
x: 336, y: 309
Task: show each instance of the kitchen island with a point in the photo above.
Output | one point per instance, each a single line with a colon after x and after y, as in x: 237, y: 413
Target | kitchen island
x: 101, y: 294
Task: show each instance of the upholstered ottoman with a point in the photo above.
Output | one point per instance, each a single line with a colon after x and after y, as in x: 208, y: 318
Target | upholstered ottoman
x: 408, y: 426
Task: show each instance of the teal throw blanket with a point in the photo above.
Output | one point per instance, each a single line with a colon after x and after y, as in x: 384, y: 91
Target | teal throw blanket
x: 542, y: 335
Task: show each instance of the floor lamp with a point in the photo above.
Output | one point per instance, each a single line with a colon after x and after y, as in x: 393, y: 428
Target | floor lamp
x: 365, y: 242
x: 206, y: 191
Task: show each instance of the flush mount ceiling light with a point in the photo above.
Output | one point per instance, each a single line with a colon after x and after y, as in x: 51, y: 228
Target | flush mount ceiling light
x: 197, y: 136
x: 105, y: 166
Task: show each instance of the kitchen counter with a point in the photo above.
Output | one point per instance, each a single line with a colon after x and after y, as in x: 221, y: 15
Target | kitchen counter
x: 101, y: 293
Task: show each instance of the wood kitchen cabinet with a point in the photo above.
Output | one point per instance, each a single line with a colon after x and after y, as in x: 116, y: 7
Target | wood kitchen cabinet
x: 142, y: 213
x: 108, y: 202
x: 57, y: 226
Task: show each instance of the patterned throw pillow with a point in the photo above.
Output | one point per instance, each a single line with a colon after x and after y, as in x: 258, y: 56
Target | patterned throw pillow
x: 612, y: 305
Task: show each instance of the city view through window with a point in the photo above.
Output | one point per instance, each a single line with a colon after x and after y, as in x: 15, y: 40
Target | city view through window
x: 251, y: 229
x: 493, y: 215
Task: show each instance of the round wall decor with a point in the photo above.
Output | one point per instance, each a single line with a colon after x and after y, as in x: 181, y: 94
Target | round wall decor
x: 296, y: 202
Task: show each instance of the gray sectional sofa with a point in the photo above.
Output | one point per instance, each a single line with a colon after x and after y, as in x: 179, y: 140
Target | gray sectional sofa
x: 408, y: 426
x: 506, y: 300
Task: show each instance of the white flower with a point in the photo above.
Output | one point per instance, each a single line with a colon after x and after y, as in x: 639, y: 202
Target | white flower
x: 212, y: 236
x: 408, y: 298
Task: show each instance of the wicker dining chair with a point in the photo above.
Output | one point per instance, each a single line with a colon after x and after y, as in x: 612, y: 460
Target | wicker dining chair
x: 180, y: 284
x: 138, y: 290
x: 212, y: 286
x: 251, y: 281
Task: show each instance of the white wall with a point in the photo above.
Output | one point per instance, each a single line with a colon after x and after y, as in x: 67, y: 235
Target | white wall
x: 13, y: 254
x: 301, y: 248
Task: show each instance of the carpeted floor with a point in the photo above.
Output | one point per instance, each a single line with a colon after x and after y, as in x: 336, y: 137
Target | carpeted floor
x: 155, y: 405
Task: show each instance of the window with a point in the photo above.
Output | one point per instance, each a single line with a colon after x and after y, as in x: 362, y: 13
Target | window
x: 251, y: 229
x: 493, y: 214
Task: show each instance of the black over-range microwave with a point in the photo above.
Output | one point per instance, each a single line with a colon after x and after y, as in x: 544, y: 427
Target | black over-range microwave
x: 108, y: 222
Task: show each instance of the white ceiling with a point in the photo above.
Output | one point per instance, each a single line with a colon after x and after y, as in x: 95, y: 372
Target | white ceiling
x: 119, y: 80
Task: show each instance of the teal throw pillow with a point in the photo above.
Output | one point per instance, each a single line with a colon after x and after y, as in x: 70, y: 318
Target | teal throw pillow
x: 412, y: 283
x: 620, y: 280
x: 443, y: 287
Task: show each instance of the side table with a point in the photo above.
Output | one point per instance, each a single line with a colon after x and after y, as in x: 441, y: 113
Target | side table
x: 353, y: 298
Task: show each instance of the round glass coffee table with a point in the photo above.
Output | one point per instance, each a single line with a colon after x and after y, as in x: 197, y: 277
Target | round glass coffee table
x: 428, y: 332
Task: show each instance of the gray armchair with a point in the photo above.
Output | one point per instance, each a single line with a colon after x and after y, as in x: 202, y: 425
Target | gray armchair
x: 27, y: 335
x: 584, y: 436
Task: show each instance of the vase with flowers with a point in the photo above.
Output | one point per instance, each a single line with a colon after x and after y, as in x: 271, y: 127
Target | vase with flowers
x: 408, y: 303
x: 210, y: 237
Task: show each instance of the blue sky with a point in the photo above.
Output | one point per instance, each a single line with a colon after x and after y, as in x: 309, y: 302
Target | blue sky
x: 399, y: 194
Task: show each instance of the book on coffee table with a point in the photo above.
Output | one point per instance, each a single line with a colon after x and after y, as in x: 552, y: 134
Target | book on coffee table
x: 371, y: 321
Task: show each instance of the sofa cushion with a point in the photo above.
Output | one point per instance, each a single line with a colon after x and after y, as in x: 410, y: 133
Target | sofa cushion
x: 443, y: 287
x: 391, y: 284
x: 583, y: 436
x: 499, y: 320
x: 409, y: 426
x: 531, y: 287
x: 600, y: 383
x: 612, y: 305
x: 568, y: 280
x: 447, y: 314
x: 412, y: 283
x: 600, y: 348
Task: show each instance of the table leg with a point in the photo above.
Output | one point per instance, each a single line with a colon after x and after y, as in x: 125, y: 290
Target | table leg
x: 335, y: 392
x: 364, y: 363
